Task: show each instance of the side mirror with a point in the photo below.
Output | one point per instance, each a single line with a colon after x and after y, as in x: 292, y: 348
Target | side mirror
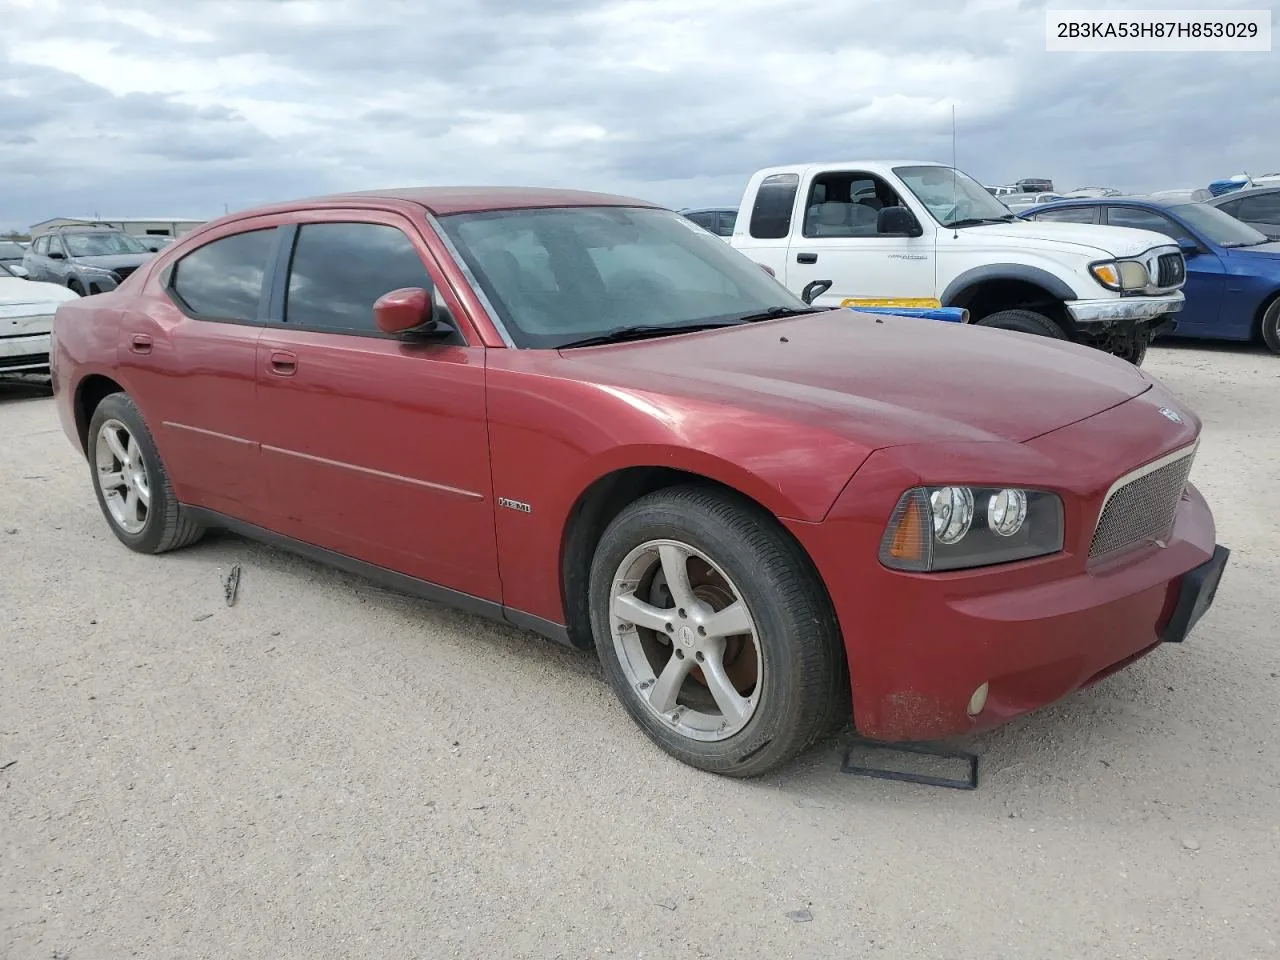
x: 1188, y: 246
x: 57, y: 255
x: 410, y: 313
x: 814, y: 289
x: 897, y: 221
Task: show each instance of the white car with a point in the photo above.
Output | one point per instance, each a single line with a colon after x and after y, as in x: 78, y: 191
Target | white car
x: 26, y: 319
x: 921, y: 234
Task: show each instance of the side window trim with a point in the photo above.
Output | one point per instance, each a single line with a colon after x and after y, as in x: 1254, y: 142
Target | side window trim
x: 271, y: 307
x: 169, y: 274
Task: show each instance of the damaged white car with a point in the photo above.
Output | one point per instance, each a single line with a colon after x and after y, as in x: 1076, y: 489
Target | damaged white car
x: 26, y: 318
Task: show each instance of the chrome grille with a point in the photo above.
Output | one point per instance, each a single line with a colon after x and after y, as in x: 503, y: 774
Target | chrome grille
x: 1142, y: 506
x: 1171, y: 270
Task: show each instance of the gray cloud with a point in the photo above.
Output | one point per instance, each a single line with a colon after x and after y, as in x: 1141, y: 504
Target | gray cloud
x: 140, y: 106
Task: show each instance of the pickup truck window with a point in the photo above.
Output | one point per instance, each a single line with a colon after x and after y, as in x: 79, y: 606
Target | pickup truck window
x: 846, y: 205
x: 771, y: 213
x: 559, y: 275
x: 953, y: 197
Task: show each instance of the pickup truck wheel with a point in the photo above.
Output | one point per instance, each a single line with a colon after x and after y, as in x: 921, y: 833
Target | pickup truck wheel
x: 131, y: 482
x: 715, y: 632
x: 1271, y: 326
x: 1023, y: 321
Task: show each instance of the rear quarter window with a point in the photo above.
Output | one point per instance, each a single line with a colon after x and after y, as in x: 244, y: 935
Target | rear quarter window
x: 771, y: 212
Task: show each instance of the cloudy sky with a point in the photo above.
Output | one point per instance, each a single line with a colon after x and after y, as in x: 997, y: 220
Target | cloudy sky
x: 187, y: 107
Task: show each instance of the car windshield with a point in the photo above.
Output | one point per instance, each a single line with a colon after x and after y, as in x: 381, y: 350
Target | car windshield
x: 101, y: 244
x: 560, y: 275
x: 1218, y: 225
x: 954, y: 198
x: 10, y: 250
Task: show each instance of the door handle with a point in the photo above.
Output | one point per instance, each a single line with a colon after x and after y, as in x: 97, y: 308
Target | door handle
x: 806, y: 258
x: 283, y: 363
x: 141, y: 343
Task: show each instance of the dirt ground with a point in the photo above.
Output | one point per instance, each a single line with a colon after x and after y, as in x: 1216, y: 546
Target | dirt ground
x: 327, y: 769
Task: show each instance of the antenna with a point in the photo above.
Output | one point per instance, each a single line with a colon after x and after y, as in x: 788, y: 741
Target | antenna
x: 955, y: 199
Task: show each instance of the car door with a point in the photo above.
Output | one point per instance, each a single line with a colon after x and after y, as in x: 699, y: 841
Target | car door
x: 34, y: 258
x: 187, y: 354
x: 375, y: 446
x: 58, y: 266
x: 1206, y: 275
x: 837, y: 239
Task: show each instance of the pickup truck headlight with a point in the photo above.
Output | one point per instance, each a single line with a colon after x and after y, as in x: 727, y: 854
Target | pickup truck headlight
x: 956, y: 527
x: 1124, y: 275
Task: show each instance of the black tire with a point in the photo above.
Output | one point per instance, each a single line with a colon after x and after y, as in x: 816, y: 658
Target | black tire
x: 804, y: 694
x: 166, y: 525
x: 1271, y: 326
x: 1023, y: 321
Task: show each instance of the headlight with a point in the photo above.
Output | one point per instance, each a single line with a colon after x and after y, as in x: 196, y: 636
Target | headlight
x: 953, y: 527
x: 1121, y: 274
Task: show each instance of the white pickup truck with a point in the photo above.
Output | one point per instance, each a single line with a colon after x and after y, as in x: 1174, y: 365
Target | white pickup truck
x: 920, y: 234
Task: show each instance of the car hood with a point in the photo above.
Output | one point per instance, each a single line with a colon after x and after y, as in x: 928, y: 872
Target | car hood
x: 1115, y: 241
x: 111, y: 261
x: 17, y: 295
x: 880, y: 380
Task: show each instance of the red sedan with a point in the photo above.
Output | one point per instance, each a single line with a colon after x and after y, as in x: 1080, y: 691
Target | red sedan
x: 587, y: 417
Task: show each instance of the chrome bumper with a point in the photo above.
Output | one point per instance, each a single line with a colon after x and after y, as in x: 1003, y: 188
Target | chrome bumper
x: 1106, y: 312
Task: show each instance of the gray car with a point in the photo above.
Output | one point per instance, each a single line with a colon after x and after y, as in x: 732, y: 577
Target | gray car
x: 85, y: 259
x: 1259, y: 207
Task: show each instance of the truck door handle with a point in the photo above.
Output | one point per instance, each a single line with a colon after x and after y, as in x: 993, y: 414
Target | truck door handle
x: 141, y: 343
x: 806, y: 258
x: 283, y: 363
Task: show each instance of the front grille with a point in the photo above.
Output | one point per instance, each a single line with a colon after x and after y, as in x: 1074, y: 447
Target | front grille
x: 1142, y: 508
x: 1171, y: 270
x: 123, y: 272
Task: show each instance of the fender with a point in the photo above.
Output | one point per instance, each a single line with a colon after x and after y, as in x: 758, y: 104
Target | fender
x: 1006, y: 271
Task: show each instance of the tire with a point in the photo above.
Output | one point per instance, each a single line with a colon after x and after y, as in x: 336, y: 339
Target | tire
x: 1023, y: 321
x: 74, y: 287
x: 138, y: 502
x: 787, y: 668
x: 1271, y: 326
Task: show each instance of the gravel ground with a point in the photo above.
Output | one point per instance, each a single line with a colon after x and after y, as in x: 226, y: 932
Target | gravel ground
x: 327, y: 769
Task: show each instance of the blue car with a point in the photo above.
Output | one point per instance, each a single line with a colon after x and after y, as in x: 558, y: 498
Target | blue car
x: 1233, y: 271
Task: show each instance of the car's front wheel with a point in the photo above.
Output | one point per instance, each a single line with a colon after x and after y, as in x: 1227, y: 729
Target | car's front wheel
x: 131, y: 482
x: 715, y: 631
x: 1271, y: 326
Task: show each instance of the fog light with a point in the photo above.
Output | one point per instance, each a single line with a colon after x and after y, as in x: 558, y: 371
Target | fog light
x: 978, y: 700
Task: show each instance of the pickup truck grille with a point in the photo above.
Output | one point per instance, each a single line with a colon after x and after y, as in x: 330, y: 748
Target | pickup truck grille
x: 1142, y: 507
x: 1171, y: 270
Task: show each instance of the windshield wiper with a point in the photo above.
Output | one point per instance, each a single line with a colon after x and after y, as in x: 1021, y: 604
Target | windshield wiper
x: 775, y: 313
x: 644, y: 331
x: 978, y: 221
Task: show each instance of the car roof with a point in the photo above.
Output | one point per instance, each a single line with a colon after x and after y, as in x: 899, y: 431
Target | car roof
x: 1134, y: 200
x: 443, y: 201
x: 1245, y: 192
x: 724, y: 209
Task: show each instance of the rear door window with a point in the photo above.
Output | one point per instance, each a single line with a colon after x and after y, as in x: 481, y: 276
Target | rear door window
x: 1070, y: 215
x: 771, y: 212
x: 223, y: 280
x: 1144, y: 220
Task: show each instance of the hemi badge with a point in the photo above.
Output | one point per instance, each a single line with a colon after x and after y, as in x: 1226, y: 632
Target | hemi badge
x: 514, y: 505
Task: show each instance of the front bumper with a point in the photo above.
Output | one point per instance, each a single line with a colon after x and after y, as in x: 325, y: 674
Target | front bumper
x: 1120, y: 309
x: 920, y: 645
x: 23, y: 353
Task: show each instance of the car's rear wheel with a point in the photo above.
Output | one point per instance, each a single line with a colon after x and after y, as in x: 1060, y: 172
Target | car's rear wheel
x: 1023, y: 321
x: 1271, y: 326
x: 131, y: 482
x: 715, y: 631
